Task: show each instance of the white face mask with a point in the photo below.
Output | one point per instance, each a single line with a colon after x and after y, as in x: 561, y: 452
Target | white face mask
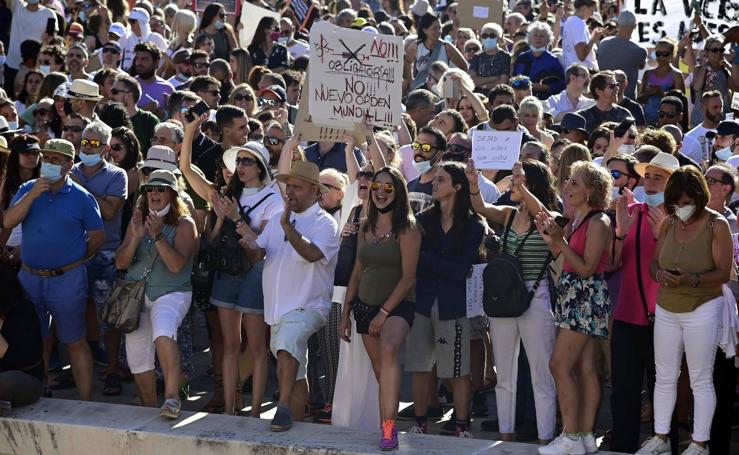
x: 724, y: 154
x: 685, y: 212
x: 162, y: 212
x: 537, y: 49
x: 627, y: 149
x: 422, y: 166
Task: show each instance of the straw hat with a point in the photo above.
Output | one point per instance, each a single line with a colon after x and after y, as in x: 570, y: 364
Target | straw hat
x: 304, y: 170
x: 662, y: 160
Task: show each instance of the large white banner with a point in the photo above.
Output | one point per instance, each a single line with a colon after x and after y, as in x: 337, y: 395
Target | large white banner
x: 355, y: 74
x: 673, y: 18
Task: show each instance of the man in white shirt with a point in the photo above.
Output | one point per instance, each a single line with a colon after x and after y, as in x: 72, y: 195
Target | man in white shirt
x: 140, y: 33
x: 571, y: 99
x: 577, y: 43
x: 301, y: 246
x: 712, y: 106
x: 28, y: 23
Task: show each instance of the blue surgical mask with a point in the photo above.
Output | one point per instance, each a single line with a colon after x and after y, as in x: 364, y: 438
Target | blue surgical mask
x: 724, y: 154
x: 51, y: 172
x: 45, y: 69
x: 422, y: 166
x: 13, y: 125
x: 537, y: 49
x: 489, y: 43
x: 246, y: 192
x: 82, y: 16
x: 653, y: 200
x: 219, y: 25
x: 90, y: 160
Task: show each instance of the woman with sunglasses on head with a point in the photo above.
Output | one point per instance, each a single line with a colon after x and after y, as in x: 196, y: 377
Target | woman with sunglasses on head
x: 450, y: 245
x: 532, y: 189
x: 160, y: 244
x: 692, y: 261
x: 264, y: 48
x: 245, y: 205
x: 214, y: 24
x: 581, y: 311
x: 655, y: 82
x: 381, y: 289
x: 24, y: 164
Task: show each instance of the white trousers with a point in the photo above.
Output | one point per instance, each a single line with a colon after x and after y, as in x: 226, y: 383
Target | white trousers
x: 535, y: 327
x: 695, y: 334
x: 160, y: 318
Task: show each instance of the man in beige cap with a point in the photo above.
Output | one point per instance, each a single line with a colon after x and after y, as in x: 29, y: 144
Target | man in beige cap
x: 62, y: 229
x: 303, y: 241
x: 84, y: 96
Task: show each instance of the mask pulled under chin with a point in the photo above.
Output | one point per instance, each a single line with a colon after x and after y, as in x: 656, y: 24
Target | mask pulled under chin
x: 724, y: 154
x: 653, y: 200
x: 162, y: 212
x: 388, y: 208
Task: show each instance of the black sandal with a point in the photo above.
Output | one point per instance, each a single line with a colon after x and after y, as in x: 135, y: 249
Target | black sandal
x: 112, y: 385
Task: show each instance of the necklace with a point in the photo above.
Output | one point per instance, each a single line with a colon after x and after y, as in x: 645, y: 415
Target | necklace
x: 684, y: 225
x: 382, y: 237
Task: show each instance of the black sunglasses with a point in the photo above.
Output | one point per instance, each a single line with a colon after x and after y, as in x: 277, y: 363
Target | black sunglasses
x: 115, y: 91
x: 245, y: 160
x: 716, y: 50
x: 365, y: 174
x: 41, y: 112
x: 159, y: 189
x: 662, y: 54
x: 271, y: 140
x: 244, y: 97
x: 117, y: 147
x: 663, y: 114
x: 472, y: 49
x: 111, y: 50
x: 458, y: 149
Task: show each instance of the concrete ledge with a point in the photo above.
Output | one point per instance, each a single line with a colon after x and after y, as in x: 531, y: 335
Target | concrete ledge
x: 54, y: 426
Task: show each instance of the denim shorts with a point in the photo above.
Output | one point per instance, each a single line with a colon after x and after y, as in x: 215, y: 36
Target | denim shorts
x: 239, y: 292
x: 62, y: 298
x: 101, y: 276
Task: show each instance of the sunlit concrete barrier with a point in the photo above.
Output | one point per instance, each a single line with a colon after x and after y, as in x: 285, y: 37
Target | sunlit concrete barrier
x: 54, y: 426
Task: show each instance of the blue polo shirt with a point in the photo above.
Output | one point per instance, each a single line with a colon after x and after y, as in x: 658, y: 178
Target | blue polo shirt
x: 54, y: 231
x: 333, y: 159
x: 110, y: 181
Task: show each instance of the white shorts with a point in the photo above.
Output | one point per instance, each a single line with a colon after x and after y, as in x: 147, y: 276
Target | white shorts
x: 291, y: 335
x: 160, y: 318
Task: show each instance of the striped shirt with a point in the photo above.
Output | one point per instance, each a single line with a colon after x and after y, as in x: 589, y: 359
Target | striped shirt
x: 533, y: 254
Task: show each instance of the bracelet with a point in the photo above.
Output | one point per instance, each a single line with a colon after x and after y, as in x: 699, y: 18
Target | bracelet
x: 697, y: 281
x: 159, y: 237
x: 475, y: 194
x: 619, y: 238
x: 384, y: 311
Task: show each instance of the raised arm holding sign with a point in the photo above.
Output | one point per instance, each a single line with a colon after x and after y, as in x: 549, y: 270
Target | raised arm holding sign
x: 496, y: 149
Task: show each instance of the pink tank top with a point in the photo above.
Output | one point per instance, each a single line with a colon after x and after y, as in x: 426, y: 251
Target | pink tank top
x: 577, y: 244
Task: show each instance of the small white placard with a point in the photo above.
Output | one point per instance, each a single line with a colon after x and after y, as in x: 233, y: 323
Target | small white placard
x: 495, y: 149
x: 474, y: 291
x: 735, y: 101
x: 481, y: 12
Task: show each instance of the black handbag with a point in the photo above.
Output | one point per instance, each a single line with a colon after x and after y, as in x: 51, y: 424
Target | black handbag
x: 347, y: 255
x: 504, y: 289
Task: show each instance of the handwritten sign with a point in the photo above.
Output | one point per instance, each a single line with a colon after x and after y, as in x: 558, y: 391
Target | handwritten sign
x: 474, y: 291
x: 656, y: 19
x: 355, y: 74
x: 316, y: 131
x: 735, y: 101
x: 495, y: 149
x: 251, y: 14
x: 476, y: 13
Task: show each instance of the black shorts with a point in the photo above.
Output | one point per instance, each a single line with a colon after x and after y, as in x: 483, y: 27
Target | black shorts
x: 364, y: 314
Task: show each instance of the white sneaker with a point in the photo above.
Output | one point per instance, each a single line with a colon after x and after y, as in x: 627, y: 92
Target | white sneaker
x: 563, y: 445
x: 589, y: 442
x: 415, y: 429
x: 655, y: 446
x: 465, y: 435
x: 695, y: 449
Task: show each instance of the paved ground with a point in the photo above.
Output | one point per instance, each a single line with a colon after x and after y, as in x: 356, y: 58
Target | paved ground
x: 201, y: 386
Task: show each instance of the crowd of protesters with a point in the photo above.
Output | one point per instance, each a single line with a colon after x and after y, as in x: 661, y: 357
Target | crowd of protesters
x: 146, y: 141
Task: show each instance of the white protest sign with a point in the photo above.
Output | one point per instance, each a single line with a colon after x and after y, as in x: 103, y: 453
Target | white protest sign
x: 495, y: 149
x: 659, y: 18
x: 250, y: 16
x: 474, y: 292
x: 735, y: 101
x: 355, y: 74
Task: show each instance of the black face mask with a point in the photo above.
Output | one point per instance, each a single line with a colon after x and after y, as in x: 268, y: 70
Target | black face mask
x: 333, y: 210
x: 388, y: 208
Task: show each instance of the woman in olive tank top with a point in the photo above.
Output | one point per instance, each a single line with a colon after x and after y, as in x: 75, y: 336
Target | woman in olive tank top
x: 381, y: 289
x: 692, y: 261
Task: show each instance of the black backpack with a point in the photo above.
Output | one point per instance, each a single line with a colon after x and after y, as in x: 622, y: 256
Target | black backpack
x: 504, y: 292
